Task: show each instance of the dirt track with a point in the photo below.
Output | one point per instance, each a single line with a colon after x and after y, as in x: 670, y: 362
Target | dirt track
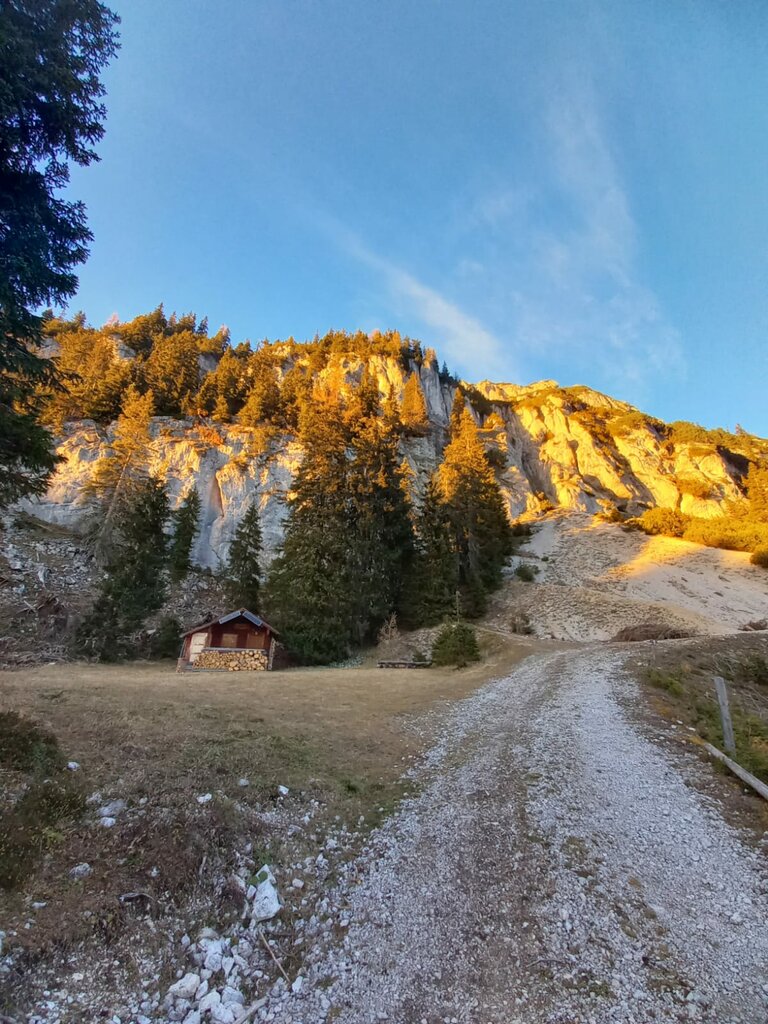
x: 557, y: 867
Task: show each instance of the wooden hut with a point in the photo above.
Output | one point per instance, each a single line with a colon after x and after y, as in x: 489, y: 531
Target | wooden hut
x: 236, y: 642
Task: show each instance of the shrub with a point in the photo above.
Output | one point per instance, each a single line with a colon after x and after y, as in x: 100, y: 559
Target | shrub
x: 526, y: 573
x: 667, y: 522
x: 496, y: 458
x: 724, y: 532
x: 694, y: 486
x: 455, y: 644
x: 669, y: 681
x: 25, y: 746
x: 650, y: 631
x: 165, y: 641
x: 31, y: 826
x: 760, y: 557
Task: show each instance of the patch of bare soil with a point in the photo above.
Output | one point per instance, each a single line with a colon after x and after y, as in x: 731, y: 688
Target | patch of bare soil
x: 594, y: 579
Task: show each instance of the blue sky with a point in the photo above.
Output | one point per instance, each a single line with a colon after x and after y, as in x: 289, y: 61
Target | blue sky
x: 539, y: 189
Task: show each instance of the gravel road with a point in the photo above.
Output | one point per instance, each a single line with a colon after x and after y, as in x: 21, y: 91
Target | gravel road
x: 557, y: 866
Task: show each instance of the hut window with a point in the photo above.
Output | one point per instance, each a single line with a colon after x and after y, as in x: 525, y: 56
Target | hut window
x: 229, y: 639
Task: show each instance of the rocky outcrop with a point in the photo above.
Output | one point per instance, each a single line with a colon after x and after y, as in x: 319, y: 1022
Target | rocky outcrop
x: 565, y: 447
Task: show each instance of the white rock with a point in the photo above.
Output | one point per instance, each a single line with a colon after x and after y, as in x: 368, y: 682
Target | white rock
x: 108, y: 822
x: 213, y: 956
x: 73, y: 766
x: 186, y: 987
x: 231, y: 995
x: 209, y: 1001
x: 296, y: 986
x: 266, y: 902
x: 202, y: 990
x: 297, y: 883
x: 193, y: 1017
x: 205, y: 798
x: 243, y: 782
x: 283, y: 790
x: 222, y: 1014
x: 80, y: 870
x: 112, y: 809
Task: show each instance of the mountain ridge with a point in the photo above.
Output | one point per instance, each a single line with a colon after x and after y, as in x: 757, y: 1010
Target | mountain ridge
x: 551, y: 446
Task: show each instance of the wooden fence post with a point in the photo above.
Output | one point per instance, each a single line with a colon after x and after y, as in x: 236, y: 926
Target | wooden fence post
x: 725, y: 714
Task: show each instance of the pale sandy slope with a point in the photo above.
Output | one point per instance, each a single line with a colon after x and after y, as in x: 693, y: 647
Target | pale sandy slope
x: 594, y: 578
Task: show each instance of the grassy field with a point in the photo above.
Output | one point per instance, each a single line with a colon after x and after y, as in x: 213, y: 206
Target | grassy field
x: 338, y: 739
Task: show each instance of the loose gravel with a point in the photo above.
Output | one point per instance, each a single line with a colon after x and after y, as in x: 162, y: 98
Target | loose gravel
x: 556, y: 867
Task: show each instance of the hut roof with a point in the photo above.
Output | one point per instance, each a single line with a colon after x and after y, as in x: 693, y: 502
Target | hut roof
x: 240, y: 613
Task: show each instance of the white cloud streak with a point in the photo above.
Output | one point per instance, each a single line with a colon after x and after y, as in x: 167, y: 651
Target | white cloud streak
x: 460, y: 337
x: 562, y: 255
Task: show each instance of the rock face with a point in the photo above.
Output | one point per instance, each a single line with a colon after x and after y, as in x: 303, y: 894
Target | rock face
x: 565, y: 447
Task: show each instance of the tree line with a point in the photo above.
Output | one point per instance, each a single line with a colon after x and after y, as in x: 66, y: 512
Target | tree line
x: 360, y: 542
x: 192, y: 373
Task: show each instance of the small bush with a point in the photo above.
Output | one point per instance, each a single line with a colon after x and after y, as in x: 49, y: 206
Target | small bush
x: 760, y: 557
x: 649, y: 631
x: 496, y: 458
x: 526, y: 573
x: 27, y: 747
x: 520, y: 623
x: 753, y: 669
x: 726, y: 532
x: 667, y: 522
x: 668, y: 681
x: 521, y: 530
x: 32, y: 825
x: 455, y: 644
x: 694, y: 486
x: 165, y: 642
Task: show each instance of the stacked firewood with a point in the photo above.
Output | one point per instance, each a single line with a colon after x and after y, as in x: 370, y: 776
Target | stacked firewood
x: 233, y: 661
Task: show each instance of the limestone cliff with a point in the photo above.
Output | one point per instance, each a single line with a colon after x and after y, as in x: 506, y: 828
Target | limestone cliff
x: 552, y: 446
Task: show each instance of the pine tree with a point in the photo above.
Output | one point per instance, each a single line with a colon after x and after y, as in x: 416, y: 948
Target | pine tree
x: 309, y: 591
x: 482, y: 535
x: 51, y: 115
x: 431, y: 584
x: 757, y: 491
x: 186, y: 521
x: 263, y: 401
x: 172, y: 372
x: 134, y: 584
x: 243, y: 571
x: 380, y: 536
x: 414, y: 408
x: 120, y: 473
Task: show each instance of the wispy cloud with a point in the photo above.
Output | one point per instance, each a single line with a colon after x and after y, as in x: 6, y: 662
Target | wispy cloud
x: 564, y: 248
x: 461, y: 337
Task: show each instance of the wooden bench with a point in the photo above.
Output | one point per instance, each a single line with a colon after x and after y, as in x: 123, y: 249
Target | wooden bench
x: 403, y: 664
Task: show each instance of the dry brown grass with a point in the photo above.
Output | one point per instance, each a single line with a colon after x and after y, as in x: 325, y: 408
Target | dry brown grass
x: 159, y: 739
x: 650, y: 631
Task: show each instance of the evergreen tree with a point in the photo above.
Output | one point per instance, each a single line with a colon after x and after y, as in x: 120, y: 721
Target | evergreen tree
x: 380, y: 536
x: 431, y: 584
x: 51, y: 114
x: 172, y: 372
x: 414, y: 409
x: 134, y: 584
x: 262, y: 404
x: 309, y: 591
x: 757, y: 491
x: 119, y: 474
x: 482, y: 535
x: 243, y: 572
x: 186, y: 521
